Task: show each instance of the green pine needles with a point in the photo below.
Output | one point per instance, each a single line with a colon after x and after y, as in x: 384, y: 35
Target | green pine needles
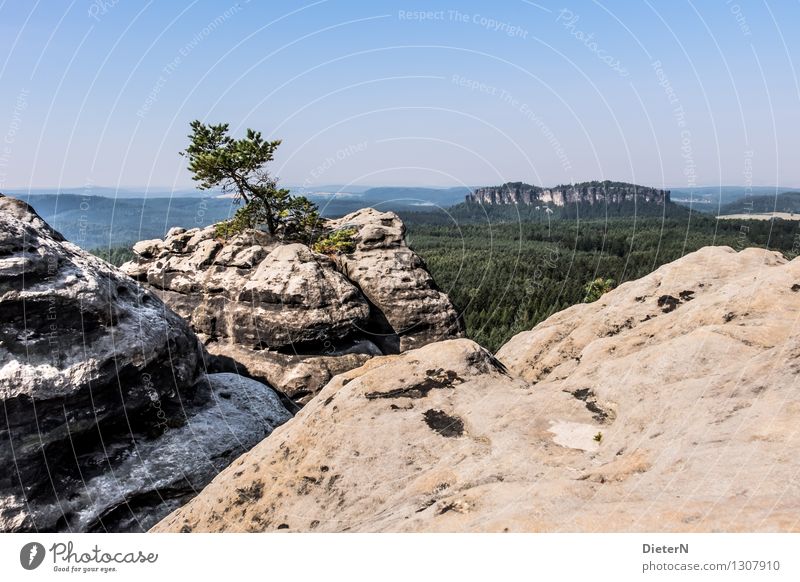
x: 238, y: 167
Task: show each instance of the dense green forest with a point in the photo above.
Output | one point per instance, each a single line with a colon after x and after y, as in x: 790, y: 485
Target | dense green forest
x: 507, y: 272
x: 475, y: 213
x: 785, y: 202
x: 114, y: 255
x: 507, y: 277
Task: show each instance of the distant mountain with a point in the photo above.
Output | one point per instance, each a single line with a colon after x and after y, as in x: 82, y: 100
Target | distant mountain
x: 784, y: 202
x: 390, y: 197
x: 111, y: 192
x: 328, y: 188
x: 606, y: 192
x: 710, y: 198
x: 97, y: 221
x: 412, y: 196
x: 336, y: 203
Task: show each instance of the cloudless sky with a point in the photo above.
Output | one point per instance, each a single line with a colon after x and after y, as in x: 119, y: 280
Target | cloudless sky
x: 661, y: 93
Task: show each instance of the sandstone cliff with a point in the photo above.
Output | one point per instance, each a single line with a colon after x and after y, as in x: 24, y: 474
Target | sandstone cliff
x: 292, y: 317
x: 109, y: 418
x: 587, y: 193
x: 668, y: 405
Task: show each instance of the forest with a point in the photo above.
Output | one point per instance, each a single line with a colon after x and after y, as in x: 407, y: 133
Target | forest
x: 505, y: 277
x: 785, y: 202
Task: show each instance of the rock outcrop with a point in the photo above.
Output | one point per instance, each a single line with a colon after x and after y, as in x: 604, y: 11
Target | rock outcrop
x: 253, y: 291
x: 107, y: 408
x: 670, y: 404
x: 584, y: 193
x: 396, y: 282
x: 292, y: 317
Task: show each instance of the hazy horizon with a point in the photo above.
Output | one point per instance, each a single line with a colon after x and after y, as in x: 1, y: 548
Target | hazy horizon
x: 404, y: 94
x: 88, y: 188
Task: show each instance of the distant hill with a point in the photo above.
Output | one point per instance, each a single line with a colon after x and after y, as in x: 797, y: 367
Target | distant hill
x: 338, y: 202
x: 305, y: 190
x: 784, y: 202
x: 111, y: 192
x: 97, y: 221
x: 710, y: 198
x: 418, y: 196
x: 396, y: 198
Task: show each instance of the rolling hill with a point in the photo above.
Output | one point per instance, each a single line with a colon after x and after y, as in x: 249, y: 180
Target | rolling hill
x: 784, y: 202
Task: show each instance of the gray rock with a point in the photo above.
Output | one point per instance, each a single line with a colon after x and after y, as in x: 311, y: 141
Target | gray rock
x: 611, y: 416
x: 93, y: 370
x: 148, y: 248
x: 396, y: 281
x: 153, y: 476
x: 299, y: 377
x: 251, y: 291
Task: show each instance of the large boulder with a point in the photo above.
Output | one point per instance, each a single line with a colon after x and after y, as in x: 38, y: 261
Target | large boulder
x: 291, y: 317
x: 101, y: 385
x: 396, y: 280
x: 668, y: 405
x: 252, y: 291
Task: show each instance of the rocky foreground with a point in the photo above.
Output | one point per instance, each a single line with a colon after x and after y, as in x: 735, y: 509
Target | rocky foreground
x: 118, y: 409
x: 671, y: 404
x: 109, y: 417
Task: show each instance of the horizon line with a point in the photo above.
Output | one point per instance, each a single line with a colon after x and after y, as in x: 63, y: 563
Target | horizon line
x: 166, y: 189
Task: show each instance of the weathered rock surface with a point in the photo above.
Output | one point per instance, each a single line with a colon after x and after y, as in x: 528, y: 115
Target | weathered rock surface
x: 671, y: 404
x: 150, y: 476
x: 99, y: 384
x: 292, y: 317
x: 254, y: 292
x: 300, y: 377
x: 396, y: 281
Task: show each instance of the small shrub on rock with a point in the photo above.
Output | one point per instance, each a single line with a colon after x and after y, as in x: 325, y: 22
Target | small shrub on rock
x: 339, y: 242
x: 594, y: 290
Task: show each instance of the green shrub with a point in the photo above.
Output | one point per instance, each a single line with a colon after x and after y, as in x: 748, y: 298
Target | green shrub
x: 248, y: 216
x: 114, y: 255
x: 337, y: 242
x: 594, y: 290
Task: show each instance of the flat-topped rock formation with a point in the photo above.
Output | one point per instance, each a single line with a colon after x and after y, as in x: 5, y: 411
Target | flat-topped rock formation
x: 584, y: 193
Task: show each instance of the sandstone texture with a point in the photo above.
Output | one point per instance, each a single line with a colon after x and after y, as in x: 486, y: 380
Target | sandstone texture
x: 252, y: 291
x: 396, y: 281
x: 291, y: 317
x: 670, y: 404
x: 107, y: 407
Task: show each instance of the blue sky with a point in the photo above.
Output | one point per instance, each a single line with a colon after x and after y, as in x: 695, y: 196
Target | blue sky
x: 404, y: 93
